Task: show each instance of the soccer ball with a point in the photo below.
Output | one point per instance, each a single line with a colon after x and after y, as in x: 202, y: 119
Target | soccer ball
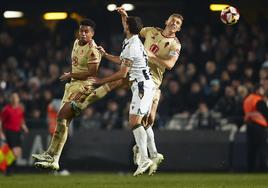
x: 229, y: 15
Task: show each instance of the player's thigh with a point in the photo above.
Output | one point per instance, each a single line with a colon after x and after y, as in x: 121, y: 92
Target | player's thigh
x: 134, y: 120
x: 76, y: 91
x: 66, y: 111
x: 66, y: 93
x: 152, y: 114
x: 141, y: 99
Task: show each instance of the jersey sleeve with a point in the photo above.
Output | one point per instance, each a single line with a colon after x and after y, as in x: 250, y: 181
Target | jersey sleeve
x: 94, y: 56
x: 128, y: 53
x: 144, y: 31
x: 175, y: 49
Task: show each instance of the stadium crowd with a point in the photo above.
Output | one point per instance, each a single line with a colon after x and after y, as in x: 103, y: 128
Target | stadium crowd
x: 216, y: 68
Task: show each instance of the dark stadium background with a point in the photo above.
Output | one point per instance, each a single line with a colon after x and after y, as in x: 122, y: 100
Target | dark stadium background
x: 100, y: 139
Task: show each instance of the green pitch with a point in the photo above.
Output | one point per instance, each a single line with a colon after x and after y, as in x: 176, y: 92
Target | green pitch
x: 115, y: 180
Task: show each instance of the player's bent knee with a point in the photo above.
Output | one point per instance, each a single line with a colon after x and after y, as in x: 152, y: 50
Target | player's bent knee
x: 134, y: 120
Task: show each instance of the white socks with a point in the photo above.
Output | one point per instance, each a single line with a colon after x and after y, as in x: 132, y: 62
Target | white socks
x: 150, y: 142
x: 141, y: 140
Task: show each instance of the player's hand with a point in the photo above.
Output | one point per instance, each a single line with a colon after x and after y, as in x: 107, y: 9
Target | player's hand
x: 102, y: 51
x: 122, y: 11
x: 95, y: 81
x: 65, y: 76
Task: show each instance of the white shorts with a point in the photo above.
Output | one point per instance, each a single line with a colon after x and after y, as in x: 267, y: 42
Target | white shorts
x: 142, y: 97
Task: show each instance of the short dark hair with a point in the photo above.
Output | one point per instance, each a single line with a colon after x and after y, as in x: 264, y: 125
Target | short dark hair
x: 177, y: 16
x: 88, y: 22
x: 134, y: 24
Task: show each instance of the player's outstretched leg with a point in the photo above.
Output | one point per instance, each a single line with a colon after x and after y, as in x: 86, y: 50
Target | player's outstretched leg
x: 97, y: 94
x: 50, y: 158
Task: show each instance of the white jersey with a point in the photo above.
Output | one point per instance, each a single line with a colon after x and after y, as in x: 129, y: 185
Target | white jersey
x: 134, y: 51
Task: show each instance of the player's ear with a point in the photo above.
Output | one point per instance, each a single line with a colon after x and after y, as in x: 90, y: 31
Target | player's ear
x: 92, y: 32
x: 166, y: 22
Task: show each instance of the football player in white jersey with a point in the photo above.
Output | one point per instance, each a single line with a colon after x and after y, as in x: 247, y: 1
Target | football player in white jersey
x: 134, y: 64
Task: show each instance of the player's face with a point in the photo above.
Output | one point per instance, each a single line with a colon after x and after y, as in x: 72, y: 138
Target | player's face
x: 173, y: 24
x: 85, y: 33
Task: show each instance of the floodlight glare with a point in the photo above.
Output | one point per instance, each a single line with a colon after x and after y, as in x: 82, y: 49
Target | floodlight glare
x: 128, y: 6
x: 13, y: 14
x: 217, y: 7
x: 111, y: 7
x: 55, y: 15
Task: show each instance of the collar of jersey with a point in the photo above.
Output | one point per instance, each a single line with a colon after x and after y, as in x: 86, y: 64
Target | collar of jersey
x: 131, y: 38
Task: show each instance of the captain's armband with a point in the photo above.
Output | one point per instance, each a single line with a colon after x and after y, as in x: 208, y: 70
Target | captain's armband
x: 126, y: 62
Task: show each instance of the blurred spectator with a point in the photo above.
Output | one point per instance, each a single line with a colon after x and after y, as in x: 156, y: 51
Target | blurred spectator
x: 194, y: 97
x: 90, y: 119
x: 210, y: 71
x: 227, y: 105
x: 173, y: 102
x: 214, y: 94
x: 202, y: 118
x: 110, y: 117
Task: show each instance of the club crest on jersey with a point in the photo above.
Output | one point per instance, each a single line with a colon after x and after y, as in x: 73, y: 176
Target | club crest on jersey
x: 75, y: 61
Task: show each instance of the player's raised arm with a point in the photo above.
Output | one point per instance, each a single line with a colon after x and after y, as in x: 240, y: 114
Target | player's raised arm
x: 121, y: 73
x: 110, y: 57
x: 123, y: 14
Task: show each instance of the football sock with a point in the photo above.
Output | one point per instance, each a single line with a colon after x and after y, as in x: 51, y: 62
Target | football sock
x: 58, y: 139
x: 141, y: 140
x: 151, y: 142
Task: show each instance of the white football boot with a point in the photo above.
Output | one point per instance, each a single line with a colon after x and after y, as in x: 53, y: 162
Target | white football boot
x: 47, y: 165
x: 143, y: 166
x: 156, y: 162
x: 43, y: 157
